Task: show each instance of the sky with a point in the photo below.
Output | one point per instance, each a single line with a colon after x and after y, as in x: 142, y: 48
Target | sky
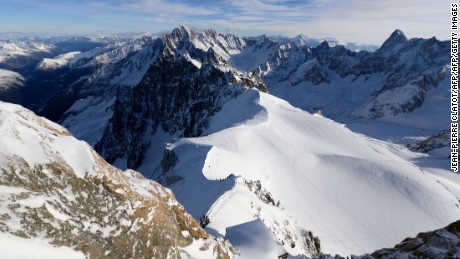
x: 360, y: 21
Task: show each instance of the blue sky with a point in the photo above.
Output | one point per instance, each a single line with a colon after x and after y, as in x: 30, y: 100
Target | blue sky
x: 362, y: 21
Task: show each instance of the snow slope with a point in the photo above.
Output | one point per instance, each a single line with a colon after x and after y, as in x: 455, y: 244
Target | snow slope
x: 12, y: 49
x: 21, y: 248
x: 298, y: 172
x: 10, y: 79
x: 58, y: 61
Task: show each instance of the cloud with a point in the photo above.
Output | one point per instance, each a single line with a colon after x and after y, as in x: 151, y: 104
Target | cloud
x: 353, y: 20
x: 167, y: 8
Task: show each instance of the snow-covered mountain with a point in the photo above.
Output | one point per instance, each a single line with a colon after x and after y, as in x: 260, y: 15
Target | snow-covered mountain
x: 358, y: 84
x: 20, y: 48
x: 176, y: 107
x: 266, y: 160
x: 393, y: 80
x: 303, y: 40
x: 187, y: 79
x: 10, y: 83
x: 58, y: 195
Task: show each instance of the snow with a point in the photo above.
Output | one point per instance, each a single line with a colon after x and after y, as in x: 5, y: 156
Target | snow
x: 22, y: 248
x: 87, y: 118
x: 13, y: 49
x: 42, y: 145
x: 59, y: 61
x: 19, y: 137
x: 254, y: 240
x: 253, y: 55
x: 77, y: 154
x: 139, y: 57
x: 56, y: 213
x: 344, y: 95
x: 356, y: 193
x: 9, y: 79
x: 154, y: 154
x: 425, y: 120
x: 193, y: 251
x: 195, y: 62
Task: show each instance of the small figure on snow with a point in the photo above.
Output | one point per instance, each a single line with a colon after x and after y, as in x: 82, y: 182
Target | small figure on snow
x: 204, y: 221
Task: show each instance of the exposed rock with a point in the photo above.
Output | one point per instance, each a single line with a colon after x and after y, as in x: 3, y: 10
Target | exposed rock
x: 439, y: 140
x: 441, y: 243
x: 60, y: 189
x: 176, y: 94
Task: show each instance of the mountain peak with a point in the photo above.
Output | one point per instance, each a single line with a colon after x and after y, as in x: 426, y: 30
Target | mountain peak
x: 396, y: 38
x: 183, y: 31
x: 398, y: 34
x: 185, y: 28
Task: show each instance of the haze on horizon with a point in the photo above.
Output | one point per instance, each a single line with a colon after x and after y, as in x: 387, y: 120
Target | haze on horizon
x: 357, y: 21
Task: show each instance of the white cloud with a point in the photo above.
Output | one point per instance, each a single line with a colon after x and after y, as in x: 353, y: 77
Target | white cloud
x: 362, y: 21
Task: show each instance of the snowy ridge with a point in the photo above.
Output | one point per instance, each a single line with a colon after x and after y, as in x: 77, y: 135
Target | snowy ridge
x: 342, y: 186
x: 222, y: 45
x: 59, y: 61
x: 10, y: 79
x: 303, y: 40
x: 12, y: 49
x: 56, y: 189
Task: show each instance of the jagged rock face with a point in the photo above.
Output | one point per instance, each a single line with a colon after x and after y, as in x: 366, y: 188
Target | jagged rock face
x: 411, y: 68
x: 102, y: 73
x: 175, y: 82
x: 439, y: 140
x: 396, y: 39
x: 178, y: 94
x: 55, y: 187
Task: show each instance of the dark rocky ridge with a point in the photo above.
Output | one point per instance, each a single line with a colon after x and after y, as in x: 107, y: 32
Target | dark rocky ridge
x: 405, y: 63
x: 174, y: 95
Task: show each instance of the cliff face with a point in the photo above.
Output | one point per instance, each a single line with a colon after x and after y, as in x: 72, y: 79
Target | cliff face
x: 55, y: 187
x: 394, y: 80
x: 178, y: 95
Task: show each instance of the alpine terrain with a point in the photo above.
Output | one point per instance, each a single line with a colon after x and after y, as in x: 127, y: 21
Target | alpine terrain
x: 55, y: 189
x: 302, y: 146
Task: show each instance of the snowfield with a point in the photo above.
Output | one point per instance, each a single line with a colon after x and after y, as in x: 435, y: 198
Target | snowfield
x: 59, y: 61
x: 296, y: 172
x: 13, y: 49
x: 9, y: 79
x: 22, y: 248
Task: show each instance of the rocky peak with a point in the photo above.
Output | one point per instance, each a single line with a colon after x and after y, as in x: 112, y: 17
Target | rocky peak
x: 210, y: 33
x: 184, y: 30
x: 395, y: 39
x: 57, y: 188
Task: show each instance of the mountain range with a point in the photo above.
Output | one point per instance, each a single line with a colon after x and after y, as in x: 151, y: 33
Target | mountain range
x: 299, y: 142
